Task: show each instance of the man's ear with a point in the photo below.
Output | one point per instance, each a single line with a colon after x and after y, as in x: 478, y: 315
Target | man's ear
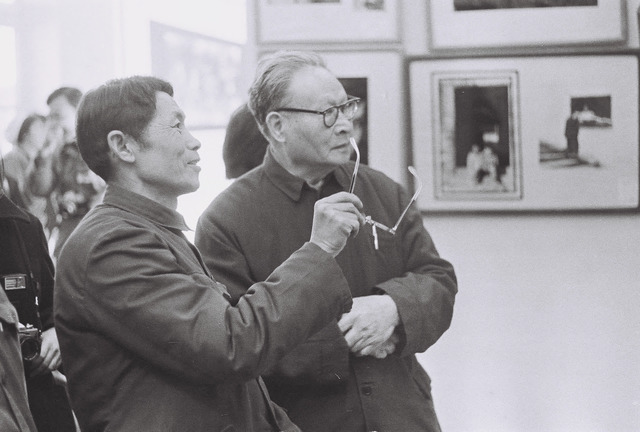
x: 275, y: 125
x: 122, y: 146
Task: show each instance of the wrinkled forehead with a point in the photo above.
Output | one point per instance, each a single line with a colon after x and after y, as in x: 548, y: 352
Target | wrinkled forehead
x: 315, y: 86
x: 167, y: 109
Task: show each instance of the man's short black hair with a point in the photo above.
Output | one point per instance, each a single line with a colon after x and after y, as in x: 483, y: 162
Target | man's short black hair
x: 126, y: 105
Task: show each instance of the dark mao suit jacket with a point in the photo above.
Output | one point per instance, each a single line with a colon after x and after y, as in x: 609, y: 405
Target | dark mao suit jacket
x: 150, y: 341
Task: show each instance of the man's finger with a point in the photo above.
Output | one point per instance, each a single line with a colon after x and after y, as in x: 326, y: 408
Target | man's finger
x: 346, y: 322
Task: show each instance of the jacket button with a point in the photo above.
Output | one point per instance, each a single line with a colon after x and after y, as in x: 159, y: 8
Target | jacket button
x: 367, y: 390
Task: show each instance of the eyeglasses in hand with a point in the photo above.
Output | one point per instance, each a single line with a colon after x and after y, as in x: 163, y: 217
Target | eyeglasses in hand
x: 330, y: 115
x: 368, y: 219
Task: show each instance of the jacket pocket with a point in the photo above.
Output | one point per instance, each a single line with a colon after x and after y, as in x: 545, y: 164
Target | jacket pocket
x: 323, y: 359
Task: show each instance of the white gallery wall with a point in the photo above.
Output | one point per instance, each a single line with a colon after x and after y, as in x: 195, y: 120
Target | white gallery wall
x: 546, y: 330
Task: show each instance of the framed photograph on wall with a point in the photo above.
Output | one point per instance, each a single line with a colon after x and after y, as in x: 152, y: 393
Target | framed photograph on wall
x: 476, y: 126
x: 470, y: 25
x: 512, y: 133
x: 339, y: 21
x: 204, y: 71
x: 377, y: 78
x: 592, y: 111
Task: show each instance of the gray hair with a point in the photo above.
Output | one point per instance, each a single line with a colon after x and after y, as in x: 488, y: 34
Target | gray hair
x: 273, y: 77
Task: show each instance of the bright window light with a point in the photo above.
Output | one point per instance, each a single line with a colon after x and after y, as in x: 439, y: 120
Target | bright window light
x: 7, y: 82
x: 8, y: 56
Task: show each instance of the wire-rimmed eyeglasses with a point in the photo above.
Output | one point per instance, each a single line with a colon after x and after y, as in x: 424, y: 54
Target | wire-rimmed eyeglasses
x: 368, y: 219
x: 330, y: 115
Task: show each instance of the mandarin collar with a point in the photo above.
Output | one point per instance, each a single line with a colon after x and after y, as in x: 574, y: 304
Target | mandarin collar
x: 132, y: 202
x: 291, y: 185
x: 8, y: 210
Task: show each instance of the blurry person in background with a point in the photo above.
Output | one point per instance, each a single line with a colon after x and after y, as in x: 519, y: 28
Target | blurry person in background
x: 26, y: 273
x: 19, y: 162
x: 360, y: 372
x: 244, y: 145
x: 59, y: 171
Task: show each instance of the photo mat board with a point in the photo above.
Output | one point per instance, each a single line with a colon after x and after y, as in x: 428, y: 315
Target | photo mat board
x: 477, y: 154
x: 455, y: 29
x: 520, y: 107
x: 336, y: 21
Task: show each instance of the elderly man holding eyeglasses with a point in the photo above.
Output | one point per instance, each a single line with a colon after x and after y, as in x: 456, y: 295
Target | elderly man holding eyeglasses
x: 359, y: 373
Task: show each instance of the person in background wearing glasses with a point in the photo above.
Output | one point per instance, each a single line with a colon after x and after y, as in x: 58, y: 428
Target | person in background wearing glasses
x: 359, y: 373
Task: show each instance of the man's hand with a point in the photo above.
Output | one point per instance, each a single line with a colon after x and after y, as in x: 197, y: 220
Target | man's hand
x: 49, y: 358
x: 335, y: 218
x: 368, y: 328
x: 50, y: 350
x: 388, y: 347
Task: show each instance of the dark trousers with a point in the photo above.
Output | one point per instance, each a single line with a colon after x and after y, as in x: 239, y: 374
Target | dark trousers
x: 49, y: 405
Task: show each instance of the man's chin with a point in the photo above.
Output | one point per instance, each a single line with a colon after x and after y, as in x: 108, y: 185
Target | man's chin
x: 341, y: 157
x: 192, y: 188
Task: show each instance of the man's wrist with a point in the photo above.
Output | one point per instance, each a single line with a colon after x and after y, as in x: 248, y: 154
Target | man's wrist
x: 393, y: 308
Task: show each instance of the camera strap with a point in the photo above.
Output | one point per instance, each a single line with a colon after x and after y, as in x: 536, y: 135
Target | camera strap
x: 36, y: 282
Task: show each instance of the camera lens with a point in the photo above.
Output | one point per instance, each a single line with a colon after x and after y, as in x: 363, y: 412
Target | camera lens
x: 30, y: 348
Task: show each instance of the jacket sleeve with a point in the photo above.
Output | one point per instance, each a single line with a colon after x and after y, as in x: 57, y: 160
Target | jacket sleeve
x: 323, y: 358
x: 425, y: 292
x: 223, y: 256
x: 143, y: 297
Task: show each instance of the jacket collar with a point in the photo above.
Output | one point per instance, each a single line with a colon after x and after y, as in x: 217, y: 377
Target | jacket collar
x: 132, y: 202
x: 293, y: 186
x: 8, y: 210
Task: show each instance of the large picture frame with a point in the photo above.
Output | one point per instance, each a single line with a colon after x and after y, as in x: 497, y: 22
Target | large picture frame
x: 472, y: 31
x: 204, y: 71
x: 522, y: 112
x: 385, y: 133
x: 328, y: 21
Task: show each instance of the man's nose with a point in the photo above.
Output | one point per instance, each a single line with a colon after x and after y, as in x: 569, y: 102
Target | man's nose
x: 193, y: 143
x: 343, y: 124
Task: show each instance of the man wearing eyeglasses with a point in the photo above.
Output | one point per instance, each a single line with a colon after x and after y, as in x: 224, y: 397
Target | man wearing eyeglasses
x: 359, y: 373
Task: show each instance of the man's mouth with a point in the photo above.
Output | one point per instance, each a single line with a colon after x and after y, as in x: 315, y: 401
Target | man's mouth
x: 194, y: 164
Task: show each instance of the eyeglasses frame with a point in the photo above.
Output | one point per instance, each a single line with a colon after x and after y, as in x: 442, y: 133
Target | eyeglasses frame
x: 339, y: 107
x: 368, y: 219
